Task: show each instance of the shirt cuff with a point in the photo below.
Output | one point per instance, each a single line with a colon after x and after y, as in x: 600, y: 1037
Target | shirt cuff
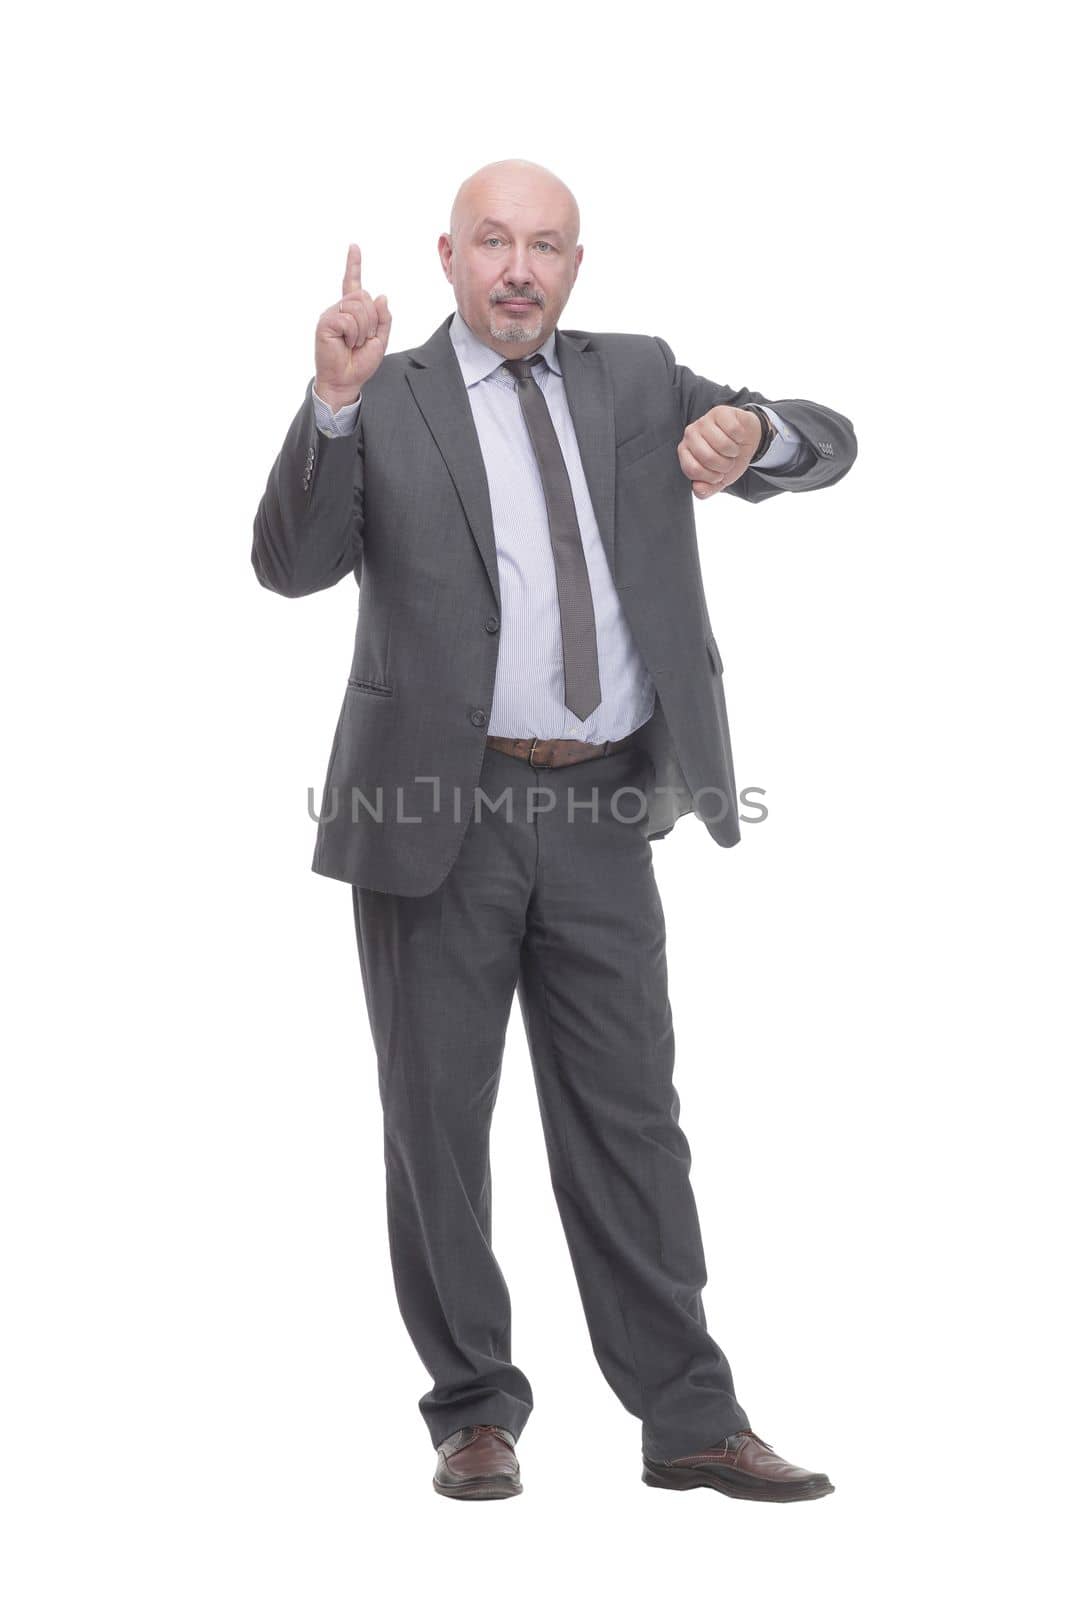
x: 785, y: 448
x: 335, y: 424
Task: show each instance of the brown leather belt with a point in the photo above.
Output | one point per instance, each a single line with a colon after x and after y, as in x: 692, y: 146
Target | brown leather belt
x: 557, y: 752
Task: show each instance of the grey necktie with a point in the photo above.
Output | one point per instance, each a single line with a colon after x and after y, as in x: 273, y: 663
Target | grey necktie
x: 577, y: 619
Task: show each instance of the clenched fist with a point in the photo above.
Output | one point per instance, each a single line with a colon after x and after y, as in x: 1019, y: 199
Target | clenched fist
x: 717, y: 448
x: 350, y: 339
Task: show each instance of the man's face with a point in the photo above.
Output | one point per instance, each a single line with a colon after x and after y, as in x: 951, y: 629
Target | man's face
x: 512, y: 259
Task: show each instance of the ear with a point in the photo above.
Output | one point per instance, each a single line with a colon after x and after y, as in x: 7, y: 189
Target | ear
x: 444, y: 250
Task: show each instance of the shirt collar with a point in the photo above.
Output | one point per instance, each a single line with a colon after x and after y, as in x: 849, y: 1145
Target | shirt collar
x: 478, y: 360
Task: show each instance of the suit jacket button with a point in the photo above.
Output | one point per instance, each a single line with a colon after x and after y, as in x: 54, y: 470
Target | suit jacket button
x: 479, y: 718
x: 491, y: 624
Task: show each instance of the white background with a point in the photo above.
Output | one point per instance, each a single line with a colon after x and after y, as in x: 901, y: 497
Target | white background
x: 207, y: 1386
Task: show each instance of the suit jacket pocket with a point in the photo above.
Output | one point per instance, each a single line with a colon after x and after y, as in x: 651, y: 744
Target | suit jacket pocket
x: 370, y: 686
x: 640, y: 445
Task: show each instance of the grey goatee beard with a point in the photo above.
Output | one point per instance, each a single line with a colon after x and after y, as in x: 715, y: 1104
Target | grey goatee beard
x: 514, y: 332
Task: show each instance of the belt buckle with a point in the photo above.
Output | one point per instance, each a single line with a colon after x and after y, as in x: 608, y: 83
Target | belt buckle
x: 538, y: 765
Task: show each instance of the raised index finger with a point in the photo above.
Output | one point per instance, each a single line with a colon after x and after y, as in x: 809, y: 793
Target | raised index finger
x: 353, y: 282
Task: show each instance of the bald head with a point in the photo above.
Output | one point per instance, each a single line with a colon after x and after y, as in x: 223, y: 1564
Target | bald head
x: 512, y: 253
x: 526, y: 184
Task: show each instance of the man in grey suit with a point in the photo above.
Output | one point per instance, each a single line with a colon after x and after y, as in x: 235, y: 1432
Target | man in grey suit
x: 535, y: 695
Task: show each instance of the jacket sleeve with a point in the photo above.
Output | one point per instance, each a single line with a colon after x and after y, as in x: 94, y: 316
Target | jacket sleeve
x: 829, y: 438
x: 308, y: 530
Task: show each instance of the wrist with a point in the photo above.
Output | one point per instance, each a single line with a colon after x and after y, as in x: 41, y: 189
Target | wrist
x: 767, y: 432
x: 336, y: 398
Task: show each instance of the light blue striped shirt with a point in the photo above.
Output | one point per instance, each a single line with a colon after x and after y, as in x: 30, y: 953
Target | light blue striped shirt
x: 529, y: 687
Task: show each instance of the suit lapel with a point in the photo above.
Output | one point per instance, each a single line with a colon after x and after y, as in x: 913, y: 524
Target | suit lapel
x: 591, y: 401
x: 441, y: 395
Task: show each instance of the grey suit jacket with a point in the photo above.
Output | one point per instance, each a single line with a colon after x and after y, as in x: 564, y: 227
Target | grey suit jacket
x: 403, y: 505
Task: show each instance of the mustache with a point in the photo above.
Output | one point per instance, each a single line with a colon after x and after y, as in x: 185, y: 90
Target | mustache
x: 535, y: 300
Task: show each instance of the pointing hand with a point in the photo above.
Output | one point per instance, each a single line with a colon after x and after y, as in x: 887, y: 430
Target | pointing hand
x: 351, y: 338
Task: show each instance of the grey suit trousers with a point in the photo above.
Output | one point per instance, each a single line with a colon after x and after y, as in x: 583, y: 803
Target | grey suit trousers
x: 559, y: 900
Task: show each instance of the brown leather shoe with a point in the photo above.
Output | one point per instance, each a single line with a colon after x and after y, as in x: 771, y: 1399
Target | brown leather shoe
x: 743, y: 1466
x: 478, y: 1463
